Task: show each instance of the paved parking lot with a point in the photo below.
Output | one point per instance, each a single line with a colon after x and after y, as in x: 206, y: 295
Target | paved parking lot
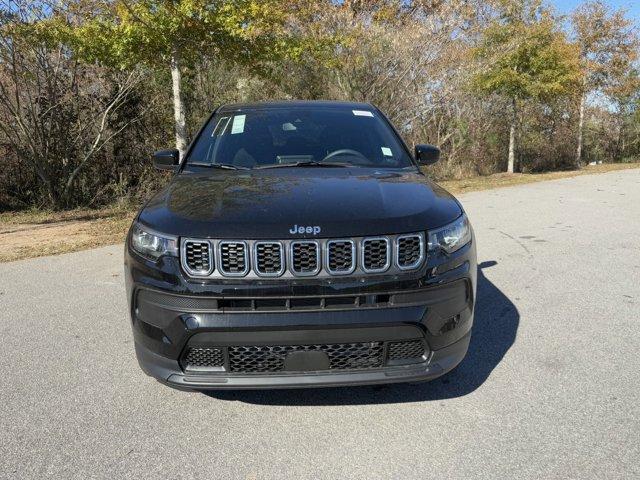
x: 550, y: 387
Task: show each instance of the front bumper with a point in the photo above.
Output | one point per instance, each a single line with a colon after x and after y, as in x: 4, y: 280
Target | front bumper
x: 170, y: 315
x: 439, y: 363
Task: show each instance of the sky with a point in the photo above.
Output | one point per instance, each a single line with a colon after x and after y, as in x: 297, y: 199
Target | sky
x: 631, y: 6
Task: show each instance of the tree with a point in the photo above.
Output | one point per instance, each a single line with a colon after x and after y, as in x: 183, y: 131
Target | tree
x: 55, y: 114
x: 524, y: 56
x: 608, y: 48
x: 81, y: 70
x: 173, y: 34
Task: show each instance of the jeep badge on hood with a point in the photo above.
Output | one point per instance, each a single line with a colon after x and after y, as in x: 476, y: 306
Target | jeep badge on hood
x: 302, y: 230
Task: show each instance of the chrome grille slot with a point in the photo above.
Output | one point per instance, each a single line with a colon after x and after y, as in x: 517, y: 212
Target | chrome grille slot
x: 197, y: 257
x: 375, y: 254
x: 341, y: 257
x: 233, y: 258
x: 305, y: 257
x: 269, y: 259
x: 409, y: 251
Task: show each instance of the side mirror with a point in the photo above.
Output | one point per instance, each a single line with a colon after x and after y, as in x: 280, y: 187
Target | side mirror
x: 166, y: 159
x: 427, y: 154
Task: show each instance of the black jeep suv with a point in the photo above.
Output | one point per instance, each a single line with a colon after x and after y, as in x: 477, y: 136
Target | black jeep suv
x: 298, y: 244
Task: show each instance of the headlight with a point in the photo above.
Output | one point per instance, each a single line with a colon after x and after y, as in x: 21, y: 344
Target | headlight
x: 450, y: 237
x: 152, y: 245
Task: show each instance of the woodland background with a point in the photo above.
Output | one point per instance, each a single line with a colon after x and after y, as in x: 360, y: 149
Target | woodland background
x: 89, y: 89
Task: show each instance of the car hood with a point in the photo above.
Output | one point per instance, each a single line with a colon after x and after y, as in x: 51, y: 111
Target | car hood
x: 267, y: 204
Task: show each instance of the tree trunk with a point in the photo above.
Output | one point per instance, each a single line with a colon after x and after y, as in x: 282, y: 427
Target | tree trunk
x: 178, y: 106
x: 512, y: 141
x: 580, y: 129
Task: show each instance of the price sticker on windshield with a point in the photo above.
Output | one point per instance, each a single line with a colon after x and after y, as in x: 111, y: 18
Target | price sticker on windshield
x: 362, y: 113
x: 238, y: 124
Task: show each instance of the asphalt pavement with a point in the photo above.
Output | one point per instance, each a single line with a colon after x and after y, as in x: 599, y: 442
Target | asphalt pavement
x: 550, y: 387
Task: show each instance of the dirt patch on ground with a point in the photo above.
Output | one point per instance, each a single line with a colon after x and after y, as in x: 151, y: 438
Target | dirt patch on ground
x: 21, y: 241
x: 35, y: 234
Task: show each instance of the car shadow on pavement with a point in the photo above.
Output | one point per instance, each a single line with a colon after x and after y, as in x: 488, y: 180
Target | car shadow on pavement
x: 494, y: 331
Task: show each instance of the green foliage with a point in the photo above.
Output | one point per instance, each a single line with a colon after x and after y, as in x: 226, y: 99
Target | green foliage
x: 526, y: 60
x: 125, y: 33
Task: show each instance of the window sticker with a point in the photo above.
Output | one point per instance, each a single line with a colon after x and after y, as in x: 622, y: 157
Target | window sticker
x: 386, y: 151
x: 362, y: 113
x: 238, y: 124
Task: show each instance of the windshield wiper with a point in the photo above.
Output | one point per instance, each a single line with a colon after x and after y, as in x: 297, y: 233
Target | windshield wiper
x: 305, y: 164
x: 222, y: 166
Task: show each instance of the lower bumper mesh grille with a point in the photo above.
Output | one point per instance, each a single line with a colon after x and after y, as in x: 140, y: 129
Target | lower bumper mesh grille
x: 342, y: 356
x: 204, y: 357
x: 406, y: 350
x: 271, y: 358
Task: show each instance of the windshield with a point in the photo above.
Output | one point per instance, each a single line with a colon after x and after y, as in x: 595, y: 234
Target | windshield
x: 265, y: 138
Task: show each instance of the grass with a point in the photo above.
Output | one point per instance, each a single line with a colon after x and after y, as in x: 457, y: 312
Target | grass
x: 35, y: 233
x: 40, y: 217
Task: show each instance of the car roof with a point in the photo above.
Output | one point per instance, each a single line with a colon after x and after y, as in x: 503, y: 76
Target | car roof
x: 234, y: 107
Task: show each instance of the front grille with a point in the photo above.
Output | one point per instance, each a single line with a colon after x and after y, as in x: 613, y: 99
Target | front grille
x: 375, y: 254
x: 270, y: 358
x: 269, y: 259
x: 305, y: 258
x: 340, y: 257
x: 406, y: 350
x: 287, y: 259
x: 409, y: 251
x: 233, y: 258
x: 204, y: 357
x: 197, y: 257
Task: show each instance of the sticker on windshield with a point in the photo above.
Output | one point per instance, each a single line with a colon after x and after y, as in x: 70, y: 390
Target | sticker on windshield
x: 362, y: 113
x: 386, y: 151
x: 238, y: 124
